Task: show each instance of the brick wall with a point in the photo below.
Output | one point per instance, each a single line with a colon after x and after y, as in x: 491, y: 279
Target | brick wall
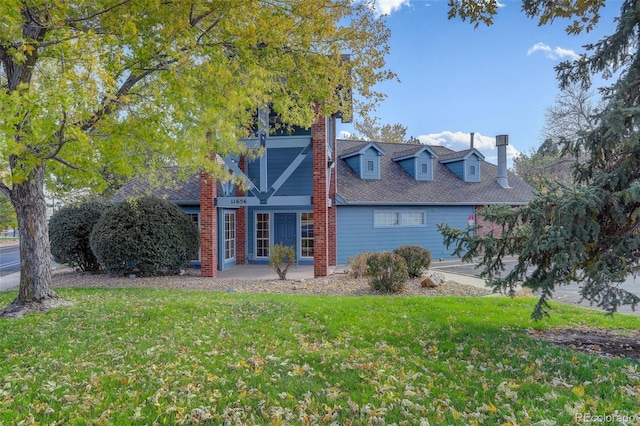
x: 320, y: 208
x: 208, y: 226
x: 333, y: 211
x: 241, y: 222
x: 486, y: 225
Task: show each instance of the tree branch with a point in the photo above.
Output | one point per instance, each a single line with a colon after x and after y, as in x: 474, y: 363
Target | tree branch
x: 66, y: 163
x: 102, y: 12
x: 5, y: 190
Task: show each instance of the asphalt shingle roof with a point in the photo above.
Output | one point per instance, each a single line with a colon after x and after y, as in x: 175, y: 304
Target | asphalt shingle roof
x: 396, y: 186
x: 170, y: 186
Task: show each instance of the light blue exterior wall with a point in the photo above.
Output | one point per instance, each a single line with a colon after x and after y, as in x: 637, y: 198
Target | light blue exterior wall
x: 355, y: 163
x: 462, y: 168
x: 356, y: 232
x: 472, y: 162
x: 371, y: 154
x: 457, y: 167
x: 413, y: 166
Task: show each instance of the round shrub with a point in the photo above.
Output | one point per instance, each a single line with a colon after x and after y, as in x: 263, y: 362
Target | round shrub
x: 417, y: 259
x: 145, y: 236
x: 69, y: 231
x: 387, y: 272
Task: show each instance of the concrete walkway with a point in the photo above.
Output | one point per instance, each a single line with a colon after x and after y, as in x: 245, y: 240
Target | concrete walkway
x: 11, y: 281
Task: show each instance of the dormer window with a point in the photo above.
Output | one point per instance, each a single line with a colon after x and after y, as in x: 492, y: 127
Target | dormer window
x: 465, y: 164
x: 364, y: 159
x: 417, y: 161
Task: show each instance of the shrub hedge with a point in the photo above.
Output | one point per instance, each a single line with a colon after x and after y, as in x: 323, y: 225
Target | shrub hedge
x: 69, y: 232
x: 145, y: 236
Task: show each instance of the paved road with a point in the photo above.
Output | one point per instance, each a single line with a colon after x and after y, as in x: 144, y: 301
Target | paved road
x: 567, y: 294
x: 9, y: 259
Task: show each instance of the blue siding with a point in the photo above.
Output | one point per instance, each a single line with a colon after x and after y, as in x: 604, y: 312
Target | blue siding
x: 457, y: 167
x: 409, y: 165
x: 370, y: 154
x: 357, y: 234
x: 354, y: 163
x: 299, y: 183
x: 473, y: 162
x: 424, y: 158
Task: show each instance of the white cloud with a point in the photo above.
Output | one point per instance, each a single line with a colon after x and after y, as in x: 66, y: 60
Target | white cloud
x: 552, y: 53
x: 386, y: 7
x: 458, y: 141
x: 344, y: 134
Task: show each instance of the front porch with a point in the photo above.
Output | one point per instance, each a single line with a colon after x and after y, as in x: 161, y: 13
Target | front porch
x: 264, y: 272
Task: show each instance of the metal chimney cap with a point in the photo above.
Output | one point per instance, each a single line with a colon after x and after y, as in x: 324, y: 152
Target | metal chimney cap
x: 502, y: 140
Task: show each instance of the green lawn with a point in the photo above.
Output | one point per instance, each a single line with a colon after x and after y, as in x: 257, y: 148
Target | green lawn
x: 132, y: 356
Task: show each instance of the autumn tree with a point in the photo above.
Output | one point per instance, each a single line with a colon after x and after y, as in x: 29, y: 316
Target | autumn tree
x: 369, y: 129
x: 572, y: 117
x: 7, y: 214
x: 590, y: 233
x: 102, y: 88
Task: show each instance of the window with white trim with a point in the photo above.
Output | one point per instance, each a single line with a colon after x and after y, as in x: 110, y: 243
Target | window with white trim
x: 415, y: 218
x: 229, y: 235
x: 370, y: 166
x: 262, y: 235
x: 388, y: 218
x: 306, y: 234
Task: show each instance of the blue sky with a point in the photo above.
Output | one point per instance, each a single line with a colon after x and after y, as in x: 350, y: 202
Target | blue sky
x: 455, y: 79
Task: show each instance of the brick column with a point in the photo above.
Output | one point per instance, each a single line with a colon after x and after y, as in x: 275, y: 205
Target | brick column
x: 241, y: 222
x: 320, y: 209
x: 208, y: 226
x: 333, y: 211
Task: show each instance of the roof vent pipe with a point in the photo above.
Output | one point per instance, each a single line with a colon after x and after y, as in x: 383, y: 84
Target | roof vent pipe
x: 471, y: 141
x: 501, y: 145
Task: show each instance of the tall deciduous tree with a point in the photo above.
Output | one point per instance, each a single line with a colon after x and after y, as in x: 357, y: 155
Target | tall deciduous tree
x: 112, y: 87
x: 571, y: 118
x: 590, y: 233
x: 370, y: 129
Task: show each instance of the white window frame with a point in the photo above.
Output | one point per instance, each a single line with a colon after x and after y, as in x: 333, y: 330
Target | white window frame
x: 386, y: 218
x: 304, y: 251
x: 264, y: 235
x: 195, y: 217
x: 398, y: 218
x: 229, y: 236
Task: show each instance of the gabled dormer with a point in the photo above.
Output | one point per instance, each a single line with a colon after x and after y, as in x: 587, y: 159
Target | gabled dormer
x: 417, y: 161
x: 364, y: 159
x: 465, y: 164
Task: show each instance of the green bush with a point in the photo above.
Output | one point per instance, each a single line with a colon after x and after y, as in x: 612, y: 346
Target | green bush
x: 417, y: 259
x: 387, y: 272
x: 69, y: 231
x: 281, y: 258
x: 145, y: 236
x: 358, y: 265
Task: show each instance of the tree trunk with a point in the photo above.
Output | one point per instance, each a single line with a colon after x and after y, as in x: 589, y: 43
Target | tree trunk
x: 36, y: 291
